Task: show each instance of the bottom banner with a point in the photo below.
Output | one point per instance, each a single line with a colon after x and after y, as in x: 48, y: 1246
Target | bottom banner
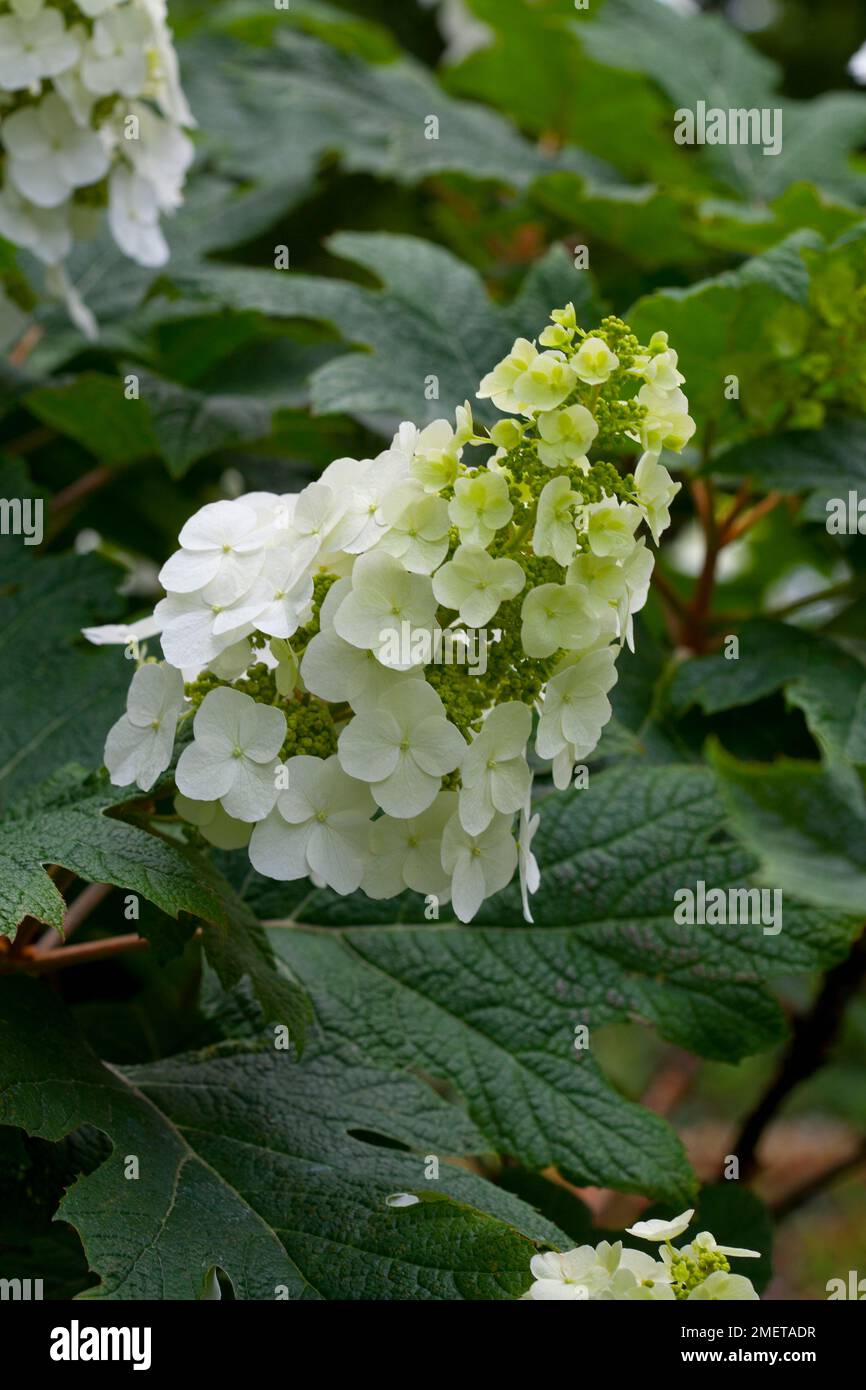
x: 153, y: 1337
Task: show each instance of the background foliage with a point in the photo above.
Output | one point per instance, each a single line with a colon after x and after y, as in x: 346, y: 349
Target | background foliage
x: 411, y: 257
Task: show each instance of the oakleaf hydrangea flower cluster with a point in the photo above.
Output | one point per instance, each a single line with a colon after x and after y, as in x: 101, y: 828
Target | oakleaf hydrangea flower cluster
x: 91, y: 120
x: 611, y: 1273
x: 368, y: 663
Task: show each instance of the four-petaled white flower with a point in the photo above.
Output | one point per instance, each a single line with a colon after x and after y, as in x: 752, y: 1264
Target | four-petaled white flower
x: 186, y: 626
x: 494, y: 771
x: 620, y: 586
x: 594, y: 362
x: 233, y: 758
x: 480, y: 507
x: 562, y: 1277
x: 364, y: 485
x: 499, y: 384
x: 320, y: 512
x: 403, y: 748
x: 554, y: 532
x: 279, y: 596
x: 575, y: 710
x: 384, y: 596
x: 115, y: 56
x: 545, y: 384
x: 556, y: 616
x: 417, y: 523
x: 667, y: 423
x: 217, y: 827
x: 49, y: 154
x: 139, y: 745
x: 33, y: 46
x: 611, y: 525
x: 407, y: 853
x: 659, y: 368
x: 319, y: 825
x: 438, y: 450
x: 336, y: 671
x: 475, y: 584
x: 566, y: 437
x: 528, y: 381
x: 479, y: 865
x: 222, y: 542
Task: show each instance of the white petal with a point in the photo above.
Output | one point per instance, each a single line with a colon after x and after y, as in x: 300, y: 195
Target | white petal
x: 278, y: 850
x: 407, y: 791
x: 253, y: 793
x: 338, y: 856
x: 202, y: 777
x: 369, y: 746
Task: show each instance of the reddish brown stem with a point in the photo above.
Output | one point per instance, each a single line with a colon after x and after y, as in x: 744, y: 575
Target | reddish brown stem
x: 87, y: 901
x: 81, y: 488
x: 25, y: 345
x: 815, y: 1186
x: 737, y: 527
x: 41, y: 962
x: 811, y: 1039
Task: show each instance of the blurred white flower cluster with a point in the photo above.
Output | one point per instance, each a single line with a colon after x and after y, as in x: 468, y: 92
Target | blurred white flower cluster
x: 368, y: 661
x: 610, y: 1273
x: 91, y: 120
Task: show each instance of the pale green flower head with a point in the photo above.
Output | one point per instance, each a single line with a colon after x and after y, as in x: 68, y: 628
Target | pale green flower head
x: 480, y: 507
x: 474, y: 584
x: 555, y: 532
x: 545, y: 384
x: 667, y: 424
x: 438, y: 450
x: 417, y: 533
x: 566, y: 437
x: 556, y: 617
x: 383, y: 596
x: 498, y: 385
x: 656, y: 490
x: 508, y: 434
x: 611, y: 525
x: 594, y: 362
